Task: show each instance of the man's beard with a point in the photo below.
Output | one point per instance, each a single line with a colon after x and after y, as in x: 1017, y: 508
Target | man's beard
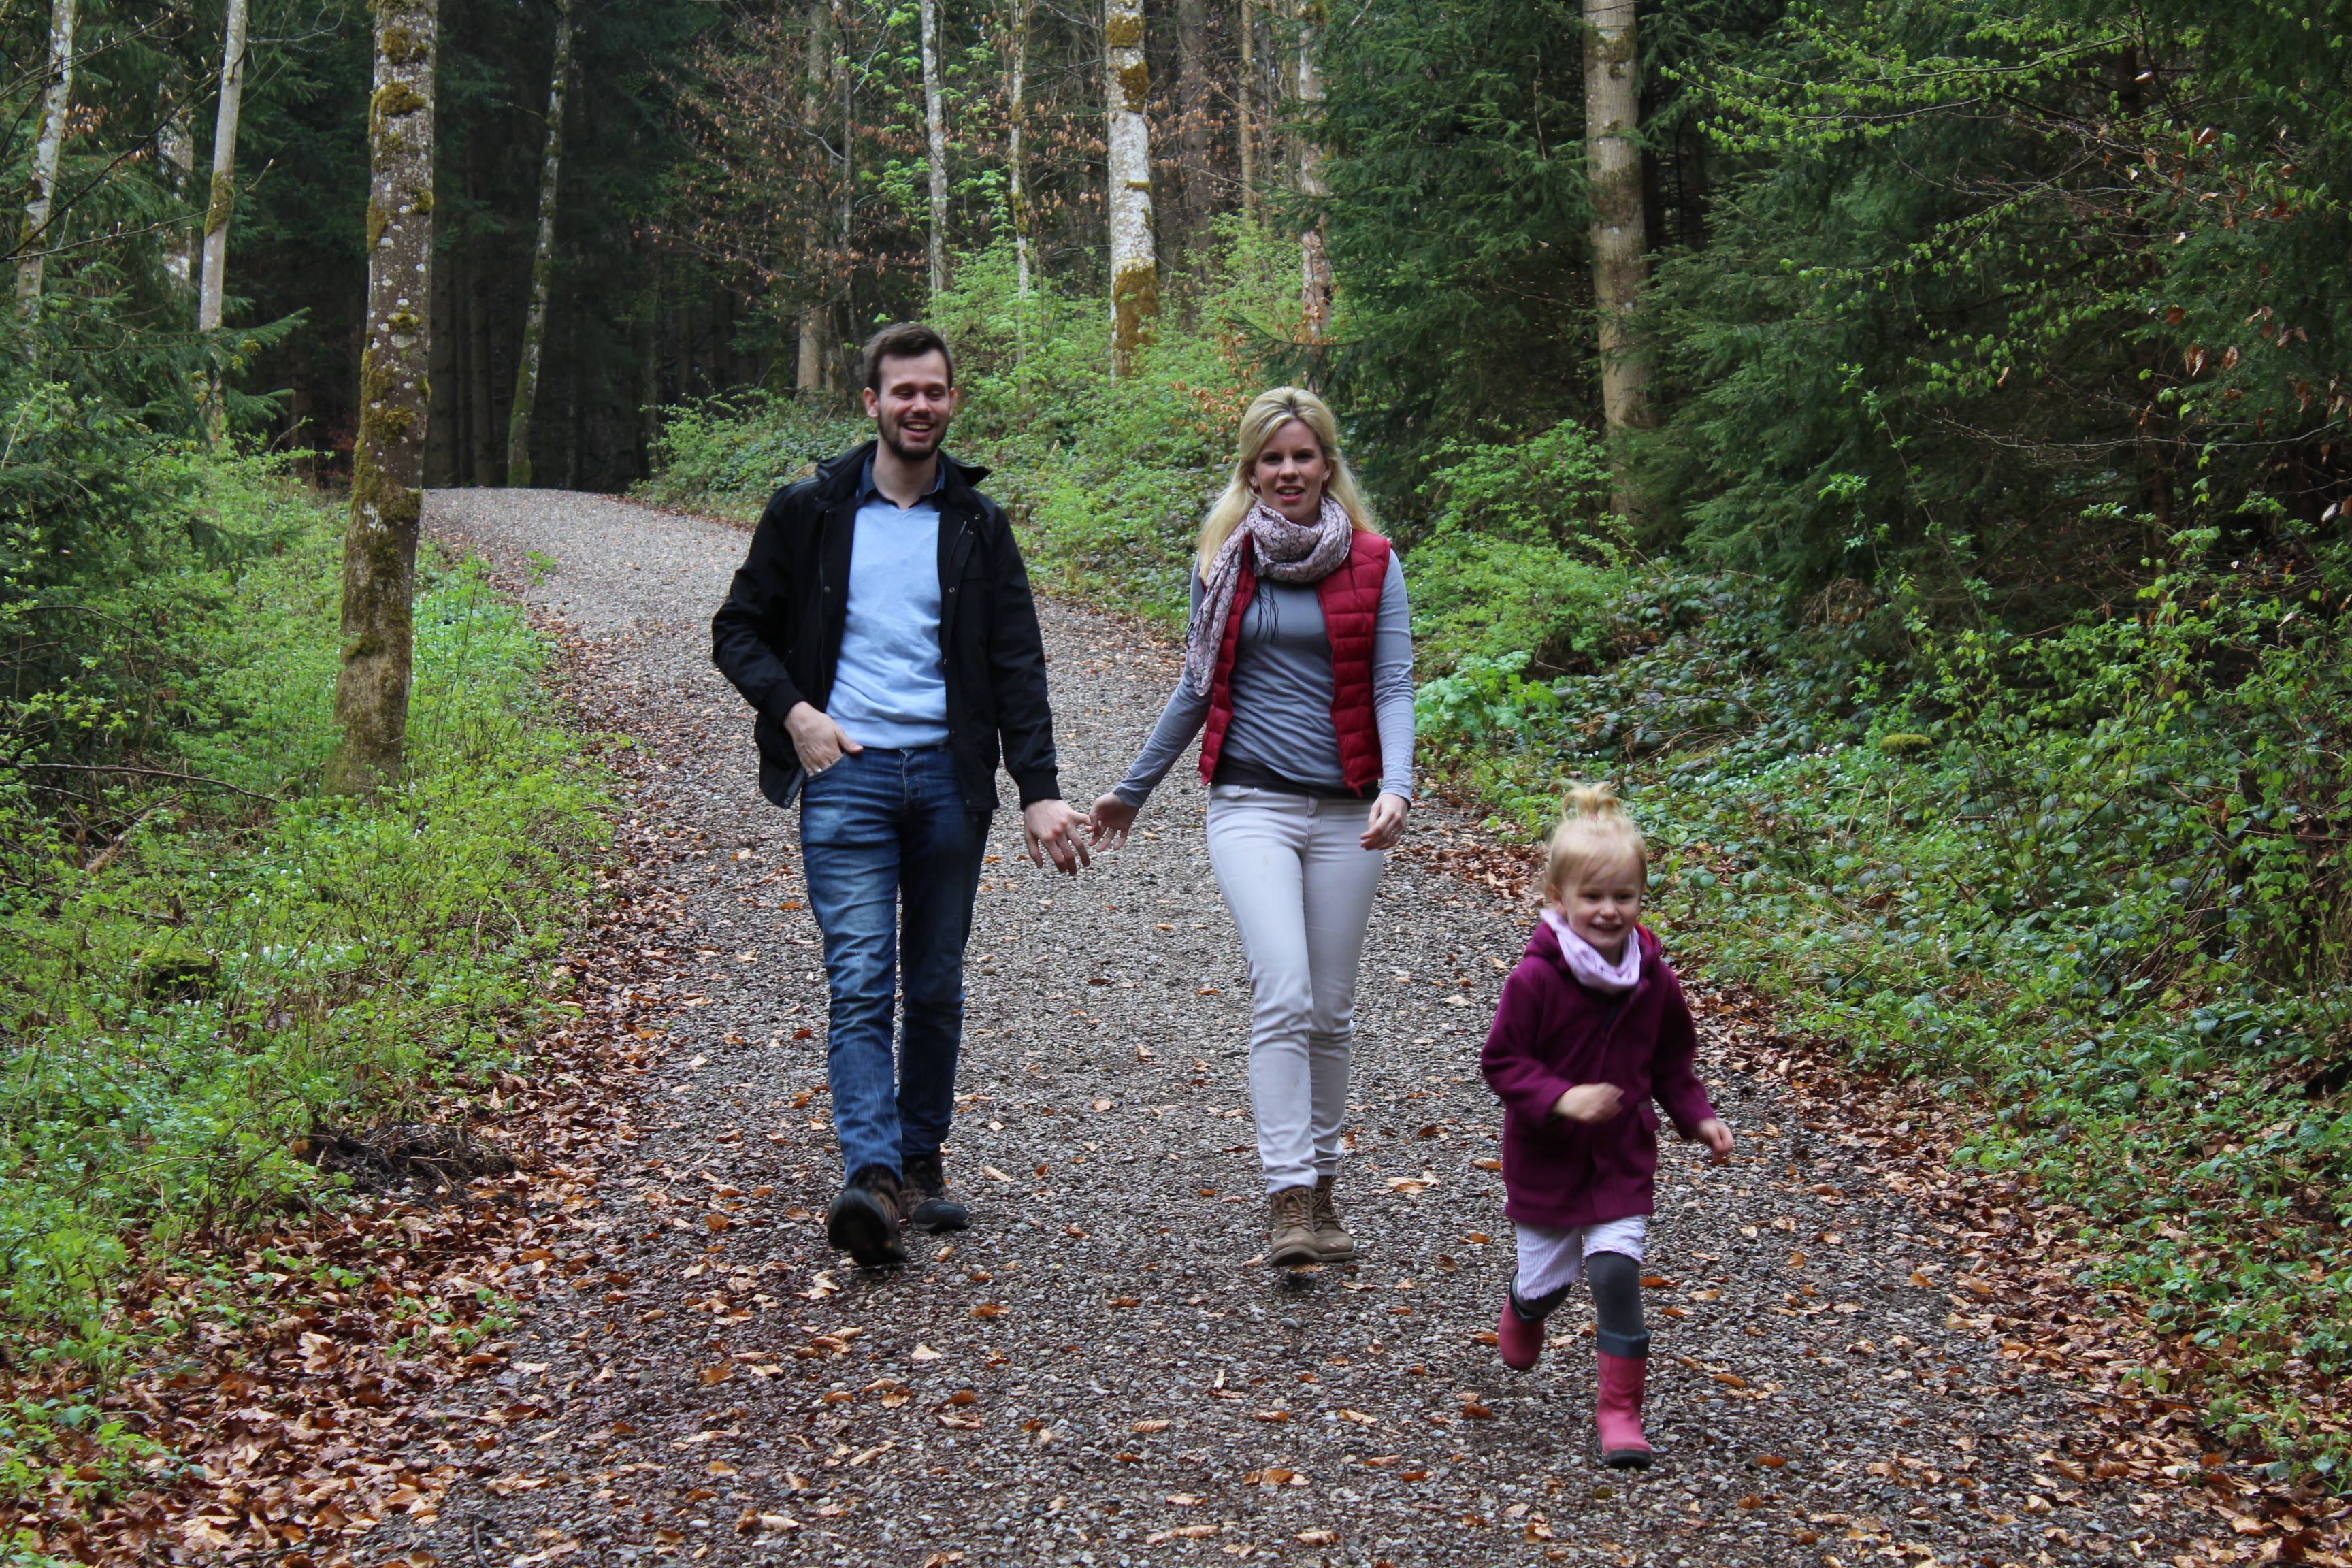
x: 889, y: 432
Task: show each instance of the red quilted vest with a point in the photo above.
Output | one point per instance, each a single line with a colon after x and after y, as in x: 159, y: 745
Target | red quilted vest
x: 1350, y: 597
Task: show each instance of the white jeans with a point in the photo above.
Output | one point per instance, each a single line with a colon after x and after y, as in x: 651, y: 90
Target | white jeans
x: 1300, y: 887
x: 1552, y: 1260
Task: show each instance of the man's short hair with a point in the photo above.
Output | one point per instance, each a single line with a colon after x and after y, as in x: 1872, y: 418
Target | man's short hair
x: 904, y: 340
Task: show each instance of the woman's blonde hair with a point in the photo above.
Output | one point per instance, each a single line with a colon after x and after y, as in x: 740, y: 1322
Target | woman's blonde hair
x: 1594, y: 834
x: 1267, y: 414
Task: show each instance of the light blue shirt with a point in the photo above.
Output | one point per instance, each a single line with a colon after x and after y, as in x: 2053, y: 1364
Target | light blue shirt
x: 891, y: 688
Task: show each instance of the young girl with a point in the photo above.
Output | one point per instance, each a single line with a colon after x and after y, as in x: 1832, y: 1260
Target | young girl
x: 1590, y: 1027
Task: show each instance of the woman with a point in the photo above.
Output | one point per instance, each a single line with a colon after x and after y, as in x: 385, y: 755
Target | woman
x: 1300, y: 661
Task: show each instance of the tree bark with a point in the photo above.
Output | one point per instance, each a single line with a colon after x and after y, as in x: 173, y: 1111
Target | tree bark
x: 1244, y: 95
x: 1194, y: 91
x: 809, y: 373
x: 1614, y: 164
x: 223, y: 198
x: 542, y: 256
x: 221, y: 202
x: 1017, y: 176
x: 482, y: 413
x: 33, y: 242
x: 935, y: 145
x: 444, y: 425
x: 1314, y: 261
x: 1134, y: 267
x: 387, y: 460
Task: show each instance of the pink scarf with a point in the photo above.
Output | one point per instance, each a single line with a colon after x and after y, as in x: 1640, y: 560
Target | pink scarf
x: 1285, y: 550
x: 1585, y: 963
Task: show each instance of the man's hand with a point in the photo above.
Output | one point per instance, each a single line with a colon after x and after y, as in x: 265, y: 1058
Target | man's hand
x: 817, y: 739
x: 1052, y: 826
x: 1717, y: 1139
x: 1109, y: 822
x: 1589, y: 1102
x: 1385, y: 823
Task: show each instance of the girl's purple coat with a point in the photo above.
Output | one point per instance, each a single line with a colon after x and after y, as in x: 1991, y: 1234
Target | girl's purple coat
x: 1551, y: 1034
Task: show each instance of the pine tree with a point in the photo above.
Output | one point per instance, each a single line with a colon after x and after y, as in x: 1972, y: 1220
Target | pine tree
x: 388, y: 459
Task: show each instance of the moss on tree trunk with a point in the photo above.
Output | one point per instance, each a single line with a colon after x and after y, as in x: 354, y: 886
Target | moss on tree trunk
x: 388, y: 459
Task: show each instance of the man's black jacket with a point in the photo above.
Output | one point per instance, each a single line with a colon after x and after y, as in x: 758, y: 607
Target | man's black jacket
x: 778, y: 636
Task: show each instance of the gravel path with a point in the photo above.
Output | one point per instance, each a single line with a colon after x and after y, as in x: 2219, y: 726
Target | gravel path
x: 1102, y: 1371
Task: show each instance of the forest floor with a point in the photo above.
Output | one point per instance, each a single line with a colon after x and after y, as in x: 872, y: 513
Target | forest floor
x: 1856, y: 1354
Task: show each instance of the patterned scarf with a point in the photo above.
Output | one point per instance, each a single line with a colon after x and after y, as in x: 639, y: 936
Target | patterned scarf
x: 1584, y: 960
x: 1285, y: 550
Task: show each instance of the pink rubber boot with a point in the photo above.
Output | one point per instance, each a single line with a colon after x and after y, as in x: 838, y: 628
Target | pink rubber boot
x: 1520, y: 1342
x: 1618, y: 1412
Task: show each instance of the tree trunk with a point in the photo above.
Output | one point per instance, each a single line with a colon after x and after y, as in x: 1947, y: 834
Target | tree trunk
x: 443, y: 429
x: 1614, y: 164
x: 1193, y: 97
x: 682, y: 326
x: 1134, y: 268
x: 221, y: 202
x: 482, y: 415
x: 542, y: 256
x: 1314, y: 262
x: 223, y: 199
x: 388, y: 458
x: 1245, y: 94
x: 722, y: 335
x: 1017, y: 177
x: 33, y: 244
x: 935, y: 142
x: 809, y: 373
x: 649, y: 384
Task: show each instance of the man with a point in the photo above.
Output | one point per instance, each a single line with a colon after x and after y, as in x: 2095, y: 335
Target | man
x: 882, y: 628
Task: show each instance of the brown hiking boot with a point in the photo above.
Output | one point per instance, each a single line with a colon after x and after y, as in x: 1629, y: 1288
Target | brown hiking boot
x: 1291, y: 1215
x: 1331, y: 1238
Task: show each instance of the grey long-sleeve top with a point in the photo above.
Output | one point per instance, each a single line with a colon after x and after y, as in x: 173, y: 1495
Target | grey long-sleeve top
x: 1281, y: 727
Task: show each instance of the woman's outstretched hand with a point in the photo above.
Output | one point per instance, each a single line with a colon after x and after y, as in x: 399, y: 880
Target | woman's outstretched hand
x: 1109, y: 823
x: 1385, y: 825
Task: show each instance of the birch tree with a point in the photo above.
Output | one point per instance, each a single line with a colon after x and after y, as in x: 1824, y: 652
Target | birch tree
x: 388, y: 459
x: 33, y: 241
x: 542, y: 258
x: 1612, y: 114
x: 222, y: 199
x: 1313, y: 260
x: 1134, y: 268
x: 1017, y: 164
x: 935, y: 145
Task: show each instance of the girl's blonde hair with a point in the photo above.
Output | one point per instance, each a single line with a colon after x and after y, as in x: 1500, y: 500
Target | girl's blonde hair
x: 1267, y: 414
x: 1594, y: 834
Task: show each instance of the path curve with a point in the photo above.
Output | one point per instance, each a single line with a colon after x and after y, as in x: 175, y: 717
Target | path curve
x: 1102, y: 1372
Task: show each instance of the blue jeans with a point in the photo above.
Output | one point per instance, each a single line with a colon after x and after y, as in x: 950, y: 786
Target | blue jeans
x: 888, y: 844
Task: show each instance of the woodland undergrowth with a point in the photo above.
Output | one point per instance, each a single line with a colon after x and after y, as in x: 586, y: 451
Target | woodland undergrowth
x: 209, y: 961
x: 2089, y: 880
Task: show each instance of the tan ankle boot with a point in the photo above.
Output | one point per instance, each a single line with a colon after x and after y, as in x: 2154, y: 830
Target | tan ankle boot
x: 1291, y: 1215
x: 1331, y: 1237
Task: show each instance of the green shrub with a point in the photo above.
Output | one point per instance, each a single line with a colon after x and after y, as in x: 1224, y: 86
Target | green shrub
x: 727, y: 455
x: 234, y: 968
